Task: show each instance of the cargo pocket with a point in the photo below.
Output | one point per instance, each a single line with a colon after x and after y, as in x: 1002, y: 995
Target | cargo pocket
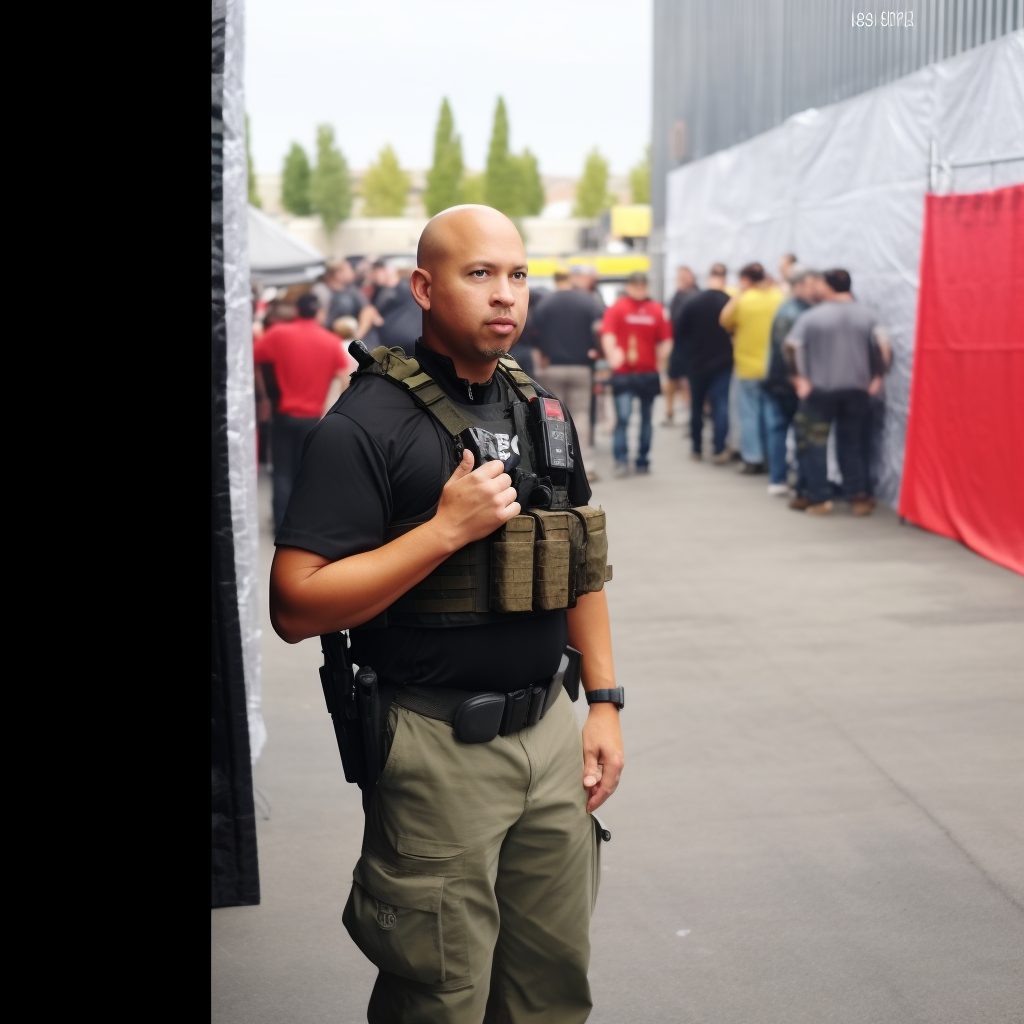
x: 407, y: 923
x: 601, y: 835
x: 512, y: 566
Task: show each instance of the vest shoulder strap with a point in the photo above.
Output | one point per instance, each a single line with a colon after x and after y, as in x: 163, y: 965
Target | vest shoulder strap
x: 405, y: 371
x: 521, y: 380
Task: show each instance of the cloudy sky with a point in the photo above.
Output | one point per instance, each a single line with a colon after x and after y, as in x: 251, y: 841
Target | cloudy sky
x: 574, y: 74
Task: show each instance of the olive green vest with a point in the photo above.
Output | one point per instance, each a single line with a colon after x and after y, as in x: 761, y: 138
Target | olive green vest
x: 539, y: 561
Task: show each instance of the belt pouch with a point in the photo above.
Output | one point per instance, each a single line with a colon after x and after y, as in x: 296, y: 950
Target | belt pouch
x: 551, y: 560
x: 512, y: 566
x: 479, y: 718
x: 596, y: 572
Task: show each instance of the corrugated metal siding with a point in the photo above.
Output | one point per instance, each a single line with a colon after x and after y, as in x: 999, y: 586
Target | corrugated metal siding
x: 730, y: 69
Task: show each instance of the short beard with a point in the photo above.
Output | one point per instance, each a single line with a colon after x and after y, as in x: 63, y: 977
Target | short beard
x: 495, y: 353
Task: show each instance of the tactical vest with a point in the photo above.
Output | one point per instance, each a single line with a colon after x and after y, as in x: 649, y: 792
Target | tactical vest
x: 540, y: 560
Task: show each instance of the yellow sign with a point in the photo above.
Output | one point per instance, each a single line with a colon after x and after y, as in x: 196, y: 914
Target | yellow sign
x: 631, y: 221
x: 606, y: 265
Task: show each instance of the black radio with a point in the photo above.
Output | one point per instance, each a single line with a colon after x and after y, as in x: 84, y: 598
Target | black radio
x: 551, y: 435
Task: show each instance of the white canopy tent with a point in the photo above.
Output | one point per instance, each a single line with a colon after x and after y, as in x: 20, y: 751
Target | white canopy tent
x: 275, y: 257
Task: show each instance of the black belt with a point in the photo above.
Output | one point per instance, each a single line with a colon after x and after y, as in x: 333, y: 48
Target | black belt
x: 479, y: 717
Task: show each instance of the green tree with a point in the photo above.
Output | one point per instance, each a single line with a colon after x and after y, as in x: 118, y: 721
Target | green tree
x: 640, y: 179
x: 295, y: 182
x: 254, y: 196
x: 502, y: 175
x: 330, y: 186
x: 531, y: 190
x: 444, y: 179
x: 385, y: 186
x: 592, y: 197
x: 473, y: 188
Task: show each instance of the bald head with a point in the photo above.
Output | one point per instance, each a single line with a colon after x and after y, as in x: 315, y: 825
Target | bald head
x: 470, y: 282
x: 460, y: 228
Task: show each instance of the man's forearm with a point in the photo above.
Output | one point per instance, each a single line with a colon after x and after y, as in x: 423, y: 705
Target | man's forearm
x: 591, y: 634
x: 309, y: 596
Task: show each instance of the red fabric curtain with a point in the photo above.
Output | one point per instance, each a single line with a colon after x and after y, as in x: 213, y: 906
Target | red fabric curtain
x: 963, y: 474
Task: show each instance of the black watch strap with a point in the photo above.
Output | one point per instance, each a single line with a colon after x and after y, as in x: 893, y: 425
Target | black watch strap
x: 614, y: 696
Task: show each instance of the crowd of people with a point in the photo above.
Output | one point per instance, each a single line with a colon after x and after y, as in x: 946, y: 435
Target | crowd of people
x: 761, y: 373
x: 799, y: 356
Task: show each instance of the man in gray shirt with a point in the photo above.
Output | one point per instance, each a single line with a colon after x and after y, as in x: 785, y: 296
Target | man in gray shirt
x: 835, y: 352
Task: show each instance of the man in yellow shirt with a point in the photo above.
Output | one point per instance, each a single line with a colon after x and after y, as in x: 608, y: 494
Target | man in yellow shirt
x: 748, y: 318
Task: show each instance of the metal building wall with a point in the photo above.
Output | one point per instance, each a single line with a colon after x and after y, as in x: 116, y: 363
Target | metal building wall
x: 726, y: 70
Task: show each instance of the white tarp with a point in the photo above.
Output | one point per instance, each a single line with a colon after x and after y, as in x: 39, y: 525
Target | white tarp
x: 276, y: 257
x: 845, y: 186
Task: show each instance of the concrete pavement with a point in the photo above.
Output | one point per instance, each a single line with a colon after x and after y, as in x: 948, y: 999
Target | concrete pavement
x: 822, y: 813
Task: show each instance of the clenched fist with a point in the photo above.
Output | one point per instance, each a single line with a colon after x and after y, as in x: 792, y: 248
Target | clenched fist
x: 475, y: 503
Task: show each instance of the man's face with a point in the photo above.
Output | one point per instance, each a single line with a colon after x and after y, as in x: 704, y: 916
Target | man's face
x: 476, y: 295
x: 343, y: 276
x: 807, y: 289
x: 637, y: 290
x: 685, y: 279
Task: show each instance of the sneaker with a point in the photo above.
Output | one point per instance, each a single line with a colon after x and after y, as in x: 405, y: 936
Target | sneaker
x: 751, y: 468
x: 696, y: 456
x: 645, y: 468
x: 823, y: 508
x: 722, y: 458
x: 778, y: 490
x: 592, y: 477
x: 800, y: 503
x: 621, y: 469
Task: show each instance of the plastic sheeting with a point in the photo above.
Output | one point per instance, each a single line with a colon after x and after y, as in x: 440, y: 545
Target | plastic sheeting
x: 845, y: 186
x: 236, y: 722
x: 964, y: 472
x: 275, y: 257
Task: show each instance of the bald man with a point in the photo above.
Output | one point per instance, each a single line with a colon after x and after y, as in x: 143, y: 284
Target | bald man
x: 480, y: 865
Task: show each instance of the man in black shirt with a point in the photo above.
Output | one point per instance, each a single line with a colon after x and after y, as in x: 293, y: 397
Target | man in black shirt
x: 709, y: 353
x: 675, y: 377
x: 479, y: 867
x: 567, y: 343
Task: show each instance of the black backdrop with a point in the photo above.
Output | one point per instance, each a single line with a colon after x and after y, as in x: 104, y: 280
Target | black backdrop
x: 235, y: 872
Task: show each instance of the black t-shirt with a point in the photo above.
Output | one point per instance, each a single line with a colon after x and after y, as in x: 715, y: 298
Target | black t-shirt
x: 377, y: 458
x: 565, y: 327
x: 403, y: 318
x: 347, y: 302
x: 707, y: 342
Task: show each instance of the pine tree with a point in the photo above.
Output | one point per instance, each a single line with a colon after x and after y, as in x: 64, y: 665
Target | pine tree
x: 254, y: 196
x: 330, y: 186
x: 501, y: 177
x: 295, y: 182
x: 592, y: 197
x: 444, y: 179
x: 640, y: 179
x: 385, y: 186
x: 531, y: 189
x: 473, y: 188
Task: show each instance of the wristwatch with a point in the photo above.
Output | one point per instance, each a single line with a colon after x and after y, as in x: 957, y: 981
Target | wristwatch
x: 614, y: 696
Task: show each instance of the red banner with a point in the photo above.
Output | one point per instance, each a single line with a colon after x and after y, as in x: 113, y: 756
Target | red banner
x: 963, y: 473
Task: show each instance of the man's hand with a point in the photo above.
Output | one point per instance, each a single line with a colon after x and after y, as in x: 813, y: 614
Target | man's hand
x: 802, y: 386
x: 474, y: 504
x: 875, y: 386
x: 603, y: 757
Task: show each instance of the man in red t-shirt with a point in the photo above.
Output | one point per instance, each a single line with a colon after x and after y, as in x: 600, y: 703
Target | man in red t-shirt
x: 634, y: 333
x: 306, y: 358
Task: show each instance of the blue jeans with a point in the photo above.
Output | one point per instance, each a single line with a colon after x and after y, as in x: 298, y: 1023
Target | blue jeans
x: 623, y: 410
x: 848, y: 409
x: 287, y: 436
x: 750, y: 403
x: 710, y: 386
x: 779, y: 414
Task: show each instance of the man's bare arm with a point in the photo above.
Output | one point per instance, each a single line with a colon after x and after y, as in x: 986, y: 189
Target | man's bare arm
x: 603, y: 758
x: 615, y: 356
x: 310, y: 595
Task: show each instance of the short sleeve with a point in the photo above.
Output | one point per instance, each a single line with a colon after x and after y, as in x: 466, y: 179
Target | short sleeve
x: 341, y: 500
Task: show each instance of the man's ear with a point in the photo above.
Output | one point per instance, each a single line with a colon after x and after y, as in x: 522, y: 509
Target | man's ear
x: 419, y: 284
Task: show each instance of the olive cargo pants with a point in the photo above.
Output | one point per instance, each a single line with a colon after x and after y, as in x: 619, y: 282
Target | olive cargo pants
x: 478, y: 875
